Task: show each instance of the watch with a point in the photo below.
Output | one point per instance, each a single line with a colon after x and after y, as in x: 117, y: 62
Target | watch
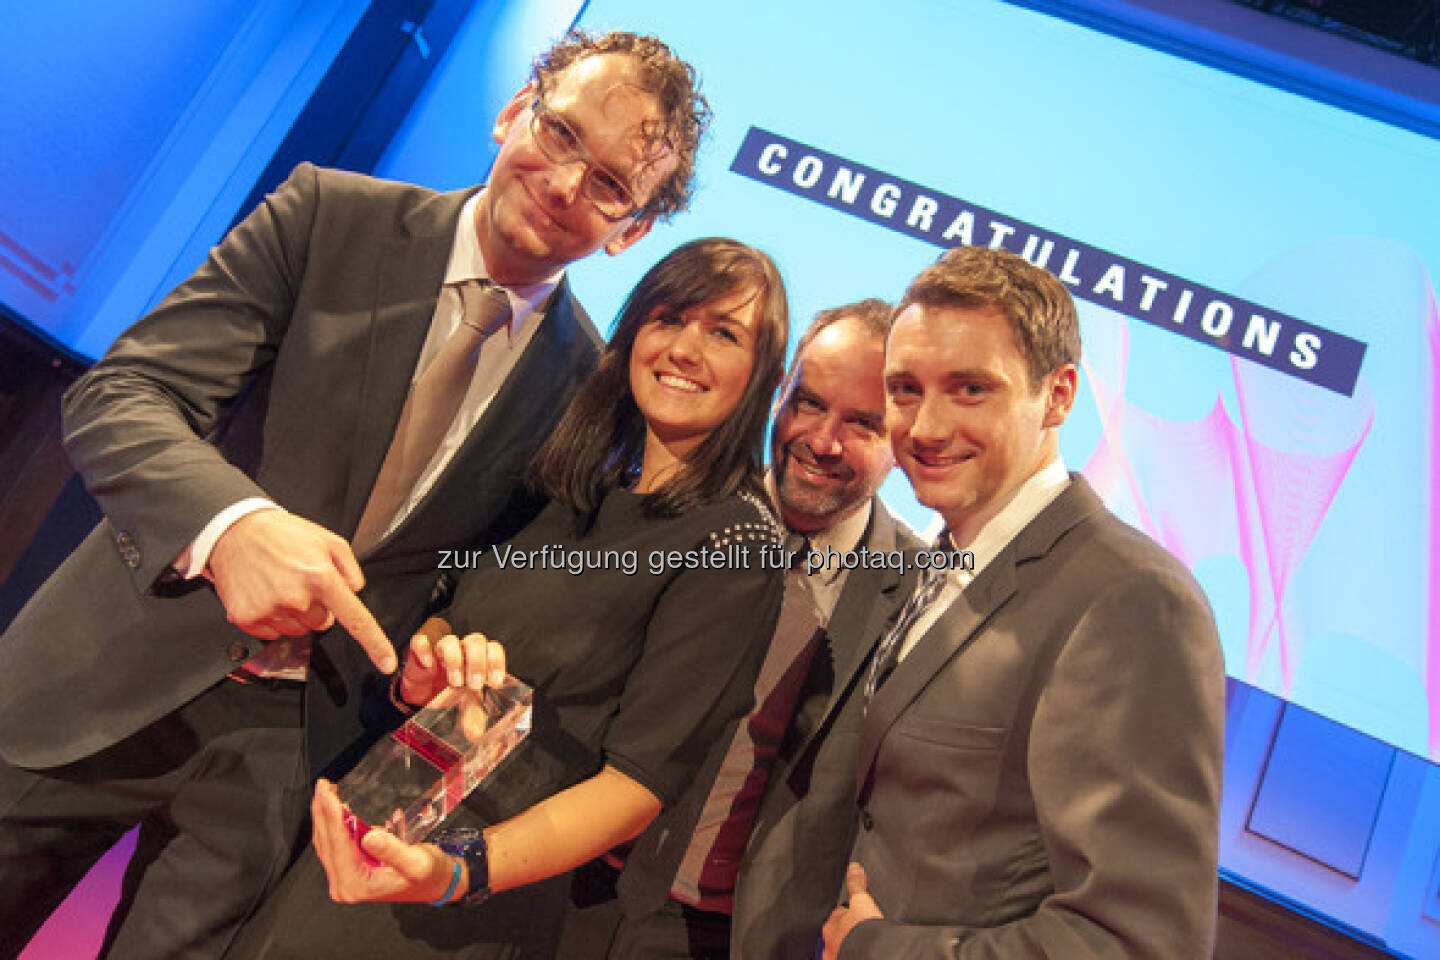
x: 468, y: 844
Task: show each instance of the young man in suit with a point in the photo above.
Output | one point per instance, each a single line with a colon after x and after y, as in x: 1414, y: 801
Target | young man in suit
x: 352, y: 382
x: 1039, y: 770
x: 748, y: 862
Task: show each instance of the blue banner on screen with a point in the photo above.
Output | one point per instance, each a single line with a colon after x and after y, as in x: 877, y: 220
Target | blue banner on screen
x: 1260, y: 334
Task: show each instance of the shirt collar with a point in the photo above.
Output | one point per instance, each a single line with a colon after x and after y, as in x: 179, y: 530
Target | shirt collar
x: 1032, y: 496
x: 468, y: 263
x: 842, y: 537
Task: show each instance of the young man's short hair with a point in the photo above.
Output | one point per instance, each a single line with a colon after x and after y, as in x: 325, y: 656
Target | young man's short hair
x: 1039, y: 308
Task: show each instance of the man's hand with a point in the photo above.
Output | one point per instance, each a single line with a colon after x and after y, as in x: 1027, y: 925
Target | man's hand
x: 438, y: 659
x: 862, y: 907
x: 281, y: 575
x: 407, y: 873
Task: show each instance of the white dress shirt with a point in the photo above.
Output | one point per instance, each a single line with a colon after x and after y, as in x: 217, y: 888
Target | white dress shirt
x: 1032, y: 496
x: 843, y: 537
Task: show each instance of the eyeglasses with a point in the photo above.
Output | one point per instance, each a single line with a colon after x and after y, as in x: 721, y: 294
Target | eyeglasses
x: 605, y: 190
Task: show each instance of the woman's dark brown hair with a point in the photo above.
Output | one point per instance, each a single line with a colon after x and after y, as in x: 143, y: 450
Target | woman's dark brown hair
x: 599, y: 441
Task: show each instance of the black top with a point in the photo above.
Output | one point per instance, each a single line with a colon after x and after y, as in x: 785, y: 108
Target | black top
x: 643, y: 635
x: 640, y: 670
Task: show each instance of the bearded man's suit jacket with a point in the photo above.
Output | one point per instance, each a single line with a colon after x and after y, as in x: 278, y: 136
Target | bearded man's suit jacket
x: 795, y: 859
x: 278, y: 370
x: 1040, y: 776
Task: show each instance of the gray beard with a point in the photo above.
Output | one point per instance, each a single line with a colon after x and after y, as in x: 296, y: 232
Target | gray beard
x: 796, y: 498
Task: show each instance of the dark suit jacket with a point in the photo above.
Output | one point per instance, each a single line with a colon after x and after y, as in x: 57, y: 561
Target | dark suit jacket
x: 795, y: 859
x: 278, y: 369
x: 1040, y: 776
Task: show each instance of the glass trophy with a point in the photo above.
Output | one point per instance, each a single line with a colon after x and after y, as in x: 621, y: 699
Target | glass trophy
x: 411, y: 781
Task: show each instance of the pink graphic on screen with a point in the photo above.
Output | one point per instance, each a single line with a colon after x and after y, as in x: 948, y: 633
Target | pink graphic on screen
x: 1210, y: 487
x: 1309, y: 517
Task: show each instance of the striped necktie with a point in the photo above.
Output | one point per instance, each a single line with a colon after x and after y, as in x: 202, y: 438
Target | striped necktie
x: 887, y: 654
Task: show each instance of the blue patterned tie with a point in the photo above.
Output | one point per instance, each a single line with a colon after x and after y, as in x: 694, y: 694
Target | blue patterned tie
x: 887, y: 654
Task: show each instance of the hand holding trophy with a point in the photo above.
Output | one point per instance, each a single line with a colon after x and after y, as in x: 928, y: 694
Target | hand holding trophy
x: 474, y: 714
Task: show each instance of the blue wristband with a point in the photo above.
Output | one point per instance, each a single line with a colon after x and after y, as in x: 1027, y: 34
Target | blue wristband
x: 468, y: 843
x: 444, y: 898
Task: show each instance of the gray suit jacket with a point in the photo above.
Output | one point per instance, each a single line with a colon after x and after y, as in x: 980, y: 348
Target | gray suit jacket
x: 278, y: 369
x: 1040, y: 776
x: 796, y: 855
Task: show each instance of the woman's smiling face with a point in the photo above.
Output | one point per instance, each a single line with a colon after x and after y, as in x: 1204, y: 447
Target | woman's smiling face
x: 688, y: 370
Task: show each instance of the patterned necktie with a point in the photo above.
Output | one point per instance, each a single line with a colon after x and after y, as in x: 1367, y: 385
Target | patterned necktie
x: 431, y: 407
x: 887, y: 654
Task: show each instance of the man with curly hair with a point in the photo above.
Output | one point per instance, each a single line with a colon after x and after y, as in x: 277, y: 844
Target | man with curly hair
x: 353, y: 381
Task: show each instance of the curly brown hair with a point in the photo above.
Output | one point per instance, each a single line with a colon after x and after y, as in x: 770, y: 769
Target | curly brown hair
x: 685, y: 113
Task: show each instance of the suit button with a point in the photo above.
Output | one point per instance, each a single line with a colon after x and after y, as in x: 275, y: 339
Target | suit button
x: 238, y: 652
x: 867, y: 821
x: 129, y: 550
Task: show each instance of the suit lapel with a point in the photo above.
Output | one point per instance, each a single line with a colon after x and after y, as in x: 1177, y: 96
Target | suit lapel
x: 948, y: 636
x: 407, y: 285
x: 962, y: 622
x: 851, y: 636
x: 858, y: 618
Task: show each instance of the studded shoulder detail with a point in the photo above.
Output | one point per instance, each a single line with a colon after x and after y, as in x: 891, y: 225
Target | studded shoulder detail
x: 764, y: 529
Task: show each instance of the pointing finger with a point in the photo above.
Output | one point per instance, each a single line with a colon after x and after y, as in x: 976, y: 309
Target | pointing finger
x: 354, y: 617
x: 344, y: 560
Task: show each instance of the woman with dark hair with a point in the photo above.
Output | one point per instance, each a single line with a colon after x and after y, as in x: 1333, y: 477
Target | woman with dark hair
x: 639, y: 653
